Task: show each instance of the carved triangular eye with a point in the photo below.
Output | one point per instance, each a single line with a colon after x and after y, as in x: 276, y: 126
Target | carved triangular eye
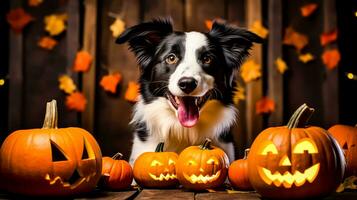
x: 57, y: 153
x: 85, y: 152
x: 345, y: 146
x: 88, y: 152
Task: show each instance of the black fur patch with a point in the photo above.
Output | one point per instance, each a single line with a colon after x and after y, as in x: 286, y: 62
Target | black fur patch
x: 141, y: 131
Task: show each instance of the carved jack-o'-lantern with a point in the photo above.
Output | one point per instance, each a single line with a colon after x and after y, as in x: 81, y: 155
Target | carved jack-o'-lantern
x: 202, y: 167
x: 156, y: 169
x: 295, y: 161
x: 50, y: 161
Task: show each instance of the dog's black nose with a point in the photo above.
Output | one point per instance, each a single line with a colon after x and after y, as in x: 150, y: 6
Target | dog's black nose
x: 187, y: 84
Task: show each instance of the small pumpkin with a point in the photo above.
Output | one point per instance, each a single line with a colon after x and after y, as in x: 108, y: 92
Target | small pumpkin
x: 117, y: 174
x: 295, y: 161
x: 202, y: 167
x: 238, y: 173
x: 346, y: 136
x: 156, y: 169
x: 50, y: 161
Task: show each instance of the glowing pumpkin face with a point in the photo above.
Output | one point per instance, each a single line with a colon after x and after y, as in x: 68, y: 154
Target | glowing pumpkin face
x: 295, y: 161
x: 202, y: 167
x: 156, y: 169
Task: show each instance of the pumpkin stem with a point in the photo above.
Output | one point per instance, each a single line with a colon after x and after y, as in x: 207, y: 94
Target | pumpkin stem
x: 300, y: 117
x: 118, y: 156
x: 160, y: 147
x: 246, y: 151
x: 206, y: 144
x: 51, y: 116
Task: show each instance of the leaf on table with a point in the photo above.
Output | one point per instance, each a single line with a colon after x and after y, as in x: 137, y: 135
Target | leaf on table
x: 82, y: 62
x: 110, y: 82
x: 18, y: 19
x: 348, y: 183
x: 66, y: 84
x: 55, y: 24
x: 308, y: 9
x: 258, y: 28
x: 250, y: 71
x: 329, y: 37
x: 76, y: 101
x: 307, y: 57
x: 34, y: 3
x: 281, y: 65
x: 239, y: 94
x: 132, y: 92
x: 293, y: 38
x: 264, y: 106
x: 211, y: 190
x: 47, y: 42
x: 117, y: 27
x: 331, y: 58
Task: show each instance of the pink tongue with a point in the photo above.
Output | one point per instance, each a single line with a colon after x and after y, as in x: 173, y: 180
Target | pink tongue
x: 188, y: 112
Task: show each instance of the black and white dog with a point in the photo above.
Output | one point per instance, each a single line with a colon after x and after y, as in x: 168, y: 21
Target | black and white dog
x: 186, y: 84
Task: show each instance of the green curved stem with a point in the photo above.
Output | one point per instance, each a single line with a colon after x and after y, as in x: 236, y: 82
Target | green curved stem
x: 206, y: 144
x: 160, y: 147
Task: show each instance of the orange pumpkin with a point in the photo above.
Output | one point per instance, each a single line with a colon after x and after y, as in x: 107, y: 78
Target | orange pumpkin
x: 346, y: 136
x: 295, y: 161
x: 156, y: 169
x: 50, y: 161
x: 238, y: 173
x: 202, y: 167
x: 117, y: 174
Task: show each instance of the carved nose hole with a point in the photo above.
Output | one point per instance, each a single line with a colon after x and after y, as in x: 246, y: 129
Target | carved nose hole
x: 285, y: 161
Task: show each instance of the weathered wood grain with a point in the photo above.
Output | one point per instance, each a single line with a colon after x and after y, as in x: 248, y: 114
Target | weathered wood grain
x: 165, y: 194
x: 226, y: 196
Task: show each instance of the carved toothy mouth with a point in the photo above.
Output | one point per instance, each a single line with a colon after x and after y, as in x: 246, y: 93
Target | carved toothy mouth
x: 288, y: 179
x: 161, y: 177
x: 201, y: 178
x: 74, y: 181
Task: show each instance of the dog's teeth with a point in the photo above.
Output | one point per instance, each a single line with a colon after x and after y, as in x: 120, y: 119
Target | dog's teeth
x: 177, y: 100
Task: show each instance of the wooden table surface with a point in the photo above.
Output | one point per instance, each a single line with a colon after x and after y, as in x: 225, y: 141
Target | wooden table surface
x: 180, y: 194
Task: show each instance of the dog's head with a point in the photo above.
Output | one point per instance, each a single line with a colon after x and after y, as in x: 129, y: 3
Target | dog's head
x: 188, y: 68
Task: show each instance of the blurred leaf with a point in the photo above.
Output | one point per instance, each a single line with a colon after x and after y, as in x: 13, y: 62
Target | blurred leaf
x: 265, y: 106
x: 117, y: 27
x: 18, y: 19
x: 259, y: 29
x: 46, y: 42
x: 281, y: 65
x: 82, y: 61
x: 55, y: 24
x: 307, y: 57
x: 34, y: 3
x: 110, y: 82
x: 250, y: 71
x: 66, y: 84
x: 76, y: 101
x: 331, y: 58
x: 329, y: 37
x: 132, y: 92
x: 308, y: 9
x: 298, y: 40
x: 239, y: 94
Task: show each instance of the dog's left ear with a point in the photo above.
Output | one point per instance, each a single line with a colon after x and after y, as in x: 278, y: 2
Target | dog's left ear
x: 144, y: 38
x: 235, y: 42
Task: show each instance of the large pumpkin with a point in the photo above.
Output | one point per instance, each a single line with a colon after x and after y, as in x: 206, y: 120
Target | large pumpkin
x: 202, y: 167
x: 295, y: 161
x: 156, y: 169
x: 50, y: 161
x: 238, y: 173
x: 116, y: 173
x: 346, y: 136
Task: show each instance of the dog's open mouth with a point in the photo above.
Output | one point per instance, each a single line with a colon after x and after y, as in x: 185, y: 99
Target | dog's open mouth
x: 188, y: 107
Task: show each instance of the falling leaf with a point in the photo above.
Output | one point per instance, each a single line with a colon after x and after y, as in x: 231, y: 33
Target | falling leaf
x: 117, y: 27
x: 250, y: 71
x: 82, y: 61
x: 55, y: 24
x: 76, y: 101
x: 265, y: 106
x: 239, y: 94
x: 348, y: 183
x: 307, y: 57
x: 66, y: 84
x: 329, y: 37
x: 34, y: 3
x: 331, y: 58
x: 281, y: 65
x: 18, y: 19
x: 259, y: 29
x: 132, y: 92
x: 110, y: 82
x: 209, y: 24
x: 308, y: 9
x: 298, y: 40
x: 47, y: 43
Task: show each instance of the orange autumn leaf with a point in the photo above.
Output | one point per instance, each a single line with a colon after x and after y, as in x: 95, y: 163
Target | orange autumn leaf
x: 76, y: 101
x: 66, y: 84
x: 308, y: 9
x: 47, y: 43
x: 331, y: 58
x: 281, y: 65
x: 293, y: 38
x: 250, y: 70
x: 258, y: 28
x: 329, y: 37
x: 34, y: 3
x: 209, y: 23
x: 307, y: 57
x: 265, y: 106
x: 132, y: 92
x: 110, y: 82
x: 55, y: 24
x: 18, y: 19
x: 82, y: 61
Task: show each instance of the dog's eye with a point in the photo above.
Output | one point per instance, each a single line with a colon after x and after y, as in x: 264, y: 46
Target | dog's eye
x: 206, y: 60
x: 171, y: 59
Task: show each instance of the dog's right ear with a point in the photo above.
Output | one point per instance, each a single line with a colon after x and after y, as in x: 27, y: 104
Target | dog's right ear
x: 144, y: 37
